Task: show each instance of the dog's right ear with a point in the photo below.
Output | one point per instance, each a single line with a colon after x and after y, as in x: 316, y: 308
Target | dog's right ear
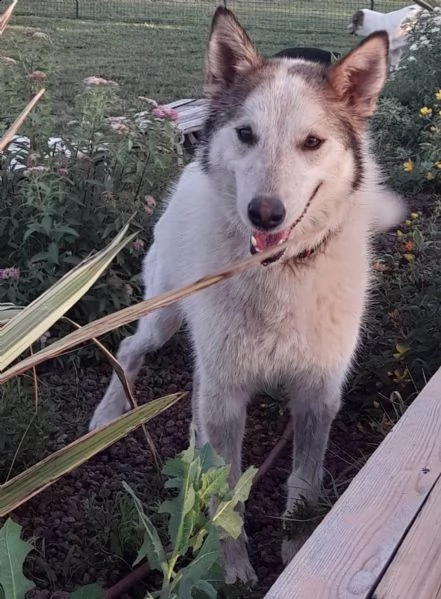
x: 230, y: 52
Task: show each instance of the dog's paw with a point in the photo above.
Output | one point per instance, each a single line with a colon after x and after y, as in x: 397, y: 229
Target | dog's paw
x: 236, y: 562
x: 104, y: 414
x: 291, y: 546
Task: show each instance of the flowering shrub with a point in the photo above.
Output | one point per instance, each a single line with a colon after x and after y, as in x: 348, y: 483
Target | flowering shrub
x: 62, y: 198
x: 407, y: 125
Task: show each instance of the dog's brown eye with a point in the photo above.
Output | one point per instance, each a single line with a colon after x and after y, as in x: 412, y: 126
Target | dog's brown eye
x: 246, y: 135
x: 312, y: 143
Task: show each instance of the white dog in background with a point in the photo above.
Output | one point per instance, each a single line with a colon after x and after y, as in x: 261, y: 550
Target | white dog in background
x: 395, y: 23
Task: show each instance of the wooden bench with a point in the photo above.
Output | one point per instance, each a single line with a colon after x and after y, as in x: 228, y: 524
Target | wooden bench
x: 382, y: 539
x: 191, y: 116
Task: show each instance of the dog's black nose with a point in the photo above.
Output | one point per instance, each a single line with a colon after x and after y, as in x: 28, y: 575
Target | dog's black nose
x: 266, y: 212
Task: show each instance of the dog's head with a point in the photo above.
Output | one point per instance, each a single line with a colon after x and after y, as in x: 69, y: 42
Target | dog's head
x: 356, y: 25
x: 283, y: 139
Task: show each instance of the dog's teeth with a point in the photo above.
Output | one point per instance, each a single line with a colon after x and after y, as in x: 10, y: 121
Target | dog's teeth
x: 281, y: 241
x: 253, y: 241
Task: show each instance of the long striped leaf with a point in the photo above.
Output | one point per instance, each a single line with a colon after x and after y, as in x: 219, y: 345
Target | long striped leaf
x: 6, y: 16
x: 18, y: 123
x: 132, y: 313
x: 8, y: 311
x: 37, y: 478
x: 28, y: 326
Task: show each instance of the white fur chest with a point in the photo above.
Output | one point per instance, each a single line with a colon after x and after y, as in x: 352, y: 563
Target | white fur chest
x: 272, y: 323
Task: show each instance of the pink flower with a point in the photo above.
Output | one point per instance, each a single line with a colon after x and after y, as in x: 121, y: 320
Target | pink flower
x: 138, y: 245
x: 7, y: 60
x: 36, y: 170
x: 149, y: 204
x: 39, y: 35
x: 162, y: 112
x: 9, y: 273
x: 119, y: 124
x: 37, y: 76
x: 64, y: 172
x: 88, y: 81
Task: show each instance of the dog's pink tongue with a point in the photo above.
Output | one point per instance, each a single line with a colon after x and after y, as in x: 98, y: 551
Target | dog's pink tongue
x: 265, y: 241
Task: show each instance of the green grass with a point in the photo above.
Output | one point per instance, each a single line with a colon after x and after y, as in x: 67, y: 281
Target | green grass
x: 162, y: 55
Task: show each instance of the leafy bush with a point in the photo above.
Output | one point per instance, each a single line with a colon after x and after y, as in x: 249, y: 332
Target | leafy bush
x: 407, y: 125
x: 190, y: 563
x: 61, y: 199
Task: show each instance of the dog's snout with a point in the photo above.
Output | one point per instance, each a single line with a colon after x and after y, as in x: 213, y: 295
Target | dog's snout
x: 266, y: 212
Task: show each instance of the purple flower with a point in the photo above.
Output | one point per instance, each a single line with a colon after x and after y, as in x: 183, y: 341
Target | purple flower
x: 138, y: 245
x: 9, y: 273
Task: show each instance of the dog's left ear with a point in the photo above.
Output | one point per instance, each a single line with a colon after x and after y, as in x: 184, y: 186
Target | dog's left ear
x: 358, y: 78
x: 230, y: 52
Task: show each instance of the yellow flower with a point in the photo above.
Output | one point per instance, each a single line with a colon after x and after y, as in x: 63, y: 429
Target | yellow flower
x: 409, y: 257
x: 408, y: 166
x: 438, y: 95
x: 425, y: 111
x: 433, y: 129
x: 430, y: 176
x: 414, y: 215
x: 407, y: 222
x: 438, y: 164
x: 399, y: 234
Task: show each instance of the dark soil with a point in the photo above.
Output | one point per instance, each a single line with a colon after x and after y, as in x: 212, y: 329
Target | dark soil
x: 75, y: 546
x: 72, y: 553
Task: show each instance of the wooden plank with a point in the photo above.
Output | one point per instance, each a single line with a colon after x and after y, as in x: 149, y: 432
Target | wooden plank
x: 179, y: 103
x: 415, y: 572
x: 191, y: 114
x: 346, y: 554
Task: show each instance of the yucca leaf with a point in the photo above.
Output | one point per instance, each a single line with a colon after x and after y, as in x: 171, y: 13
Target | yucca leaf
x: 18, y: 123
x: 28, y: 325
x: 8, y: 311
x: 6, y: 16
x: 127, y: 315
x: 43, y: 474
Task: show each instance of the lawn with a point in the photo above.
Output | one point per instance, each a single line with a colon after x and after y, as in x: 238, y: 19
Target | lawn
x: 162, y: 55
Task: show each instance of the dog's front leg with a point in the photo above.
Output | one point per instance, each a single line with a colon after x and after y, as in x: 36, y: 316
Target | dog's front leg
x: 220, y: 416
x: 314, y: 403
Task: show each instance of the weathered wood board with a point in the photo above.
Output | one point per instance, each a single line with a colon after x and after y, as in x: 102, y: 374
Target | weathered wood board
x: 346, y: 555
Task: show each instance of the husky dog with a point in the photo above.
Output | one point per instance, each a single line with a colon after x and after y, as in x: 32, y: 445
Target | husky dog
x: 284, y: 158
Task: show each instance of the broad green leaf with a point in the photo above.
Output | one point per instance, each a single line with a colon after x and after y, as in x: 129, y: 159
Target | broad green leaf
x: 30, y: 482
x: 228, y: 519
x: 209, y: 458
x: 199, y: 539
x: 243, y: 487
x: 225, y: 516
x: 214, y: 482
x: 30, y: 324
x: 152, y: 548
x: 174, y: 468
x: 206, y: 588
x: 89, y: 591
x: 180, y: 509
x: 13, y: 552
x: 200, y: 567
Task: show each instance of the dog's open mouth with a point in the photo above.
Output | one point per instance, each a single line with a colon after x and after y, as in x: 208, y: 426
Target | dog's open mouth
x: 261, y: 241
